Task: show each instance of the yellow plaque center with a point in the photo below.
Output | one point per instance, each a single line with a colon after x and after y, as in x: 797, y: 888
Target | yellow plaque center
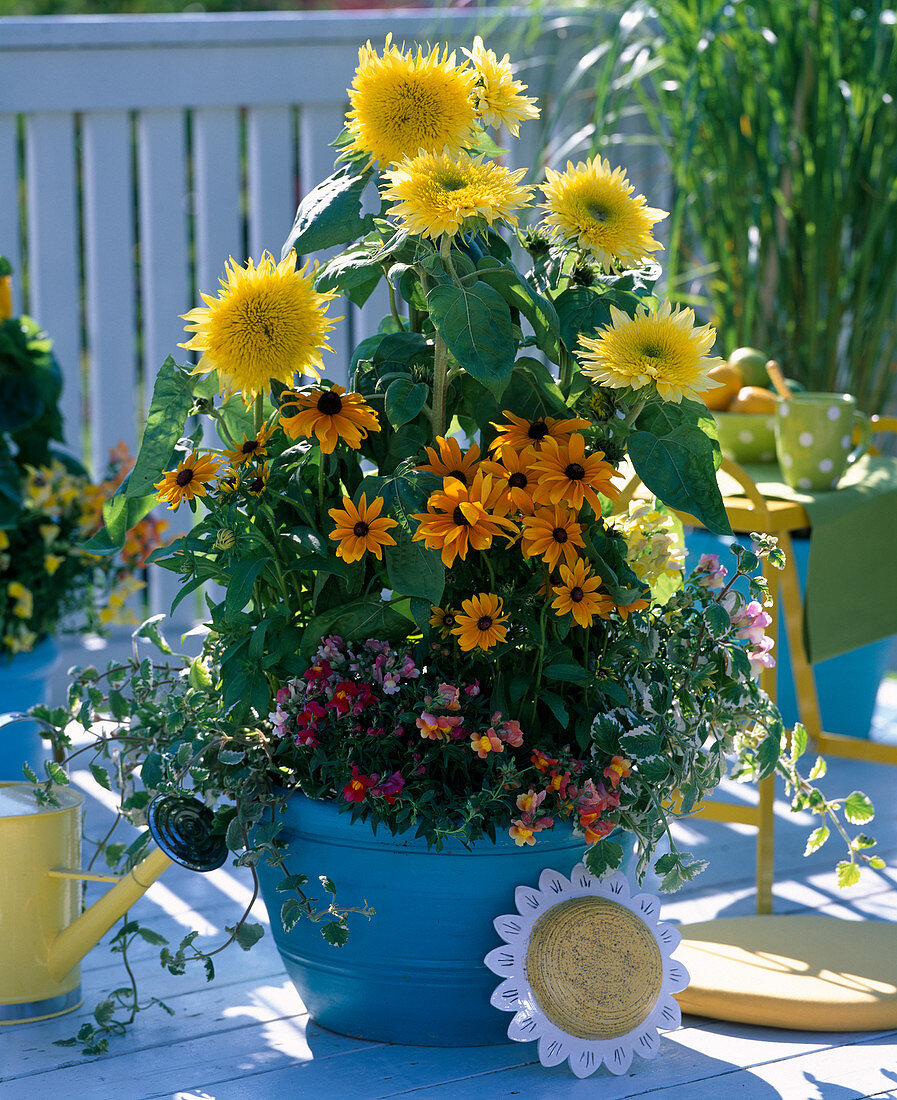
x: 594, y: 967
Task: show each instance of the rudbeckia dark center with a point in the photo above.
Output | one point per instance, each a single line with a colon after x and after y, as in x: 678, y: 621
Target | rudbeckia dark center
x: 538, y: 429
x: 575, y: 472
x: 249, y: 446
x: 184, y: 477
x: 559, y: 534
x: 448, y: 620
x: 576, y: 594
x: 330, y: 403
x: 484, y: 622
x: 360, y: 529
x: 458, y: 517
x: 459, y: 474
x: 256, y: 485
x: 517, y: 481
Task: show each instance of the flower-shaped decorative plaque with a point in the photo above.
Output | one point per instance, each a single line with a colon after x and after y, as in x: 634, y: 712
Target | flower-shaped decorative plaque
x: 587, y: 971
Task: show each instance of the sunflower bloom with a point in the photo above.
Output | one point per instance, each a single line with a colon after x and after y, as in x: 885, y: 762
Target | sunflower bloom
x: 481, y: 623
x: 362, y: 529
x: 662, y: 349
x: 189, y: 480
x: 436, y: 193
x: 520, y: 433
x: 451, y: 461
x: 578, y: 595
x: 257, y: 447
x: 552, y: 534
x: 460, y: 516
x: 330, y: 415
x: 591, y: 207
x: 499, y: 97
x: 444, y: 620
x: 267, y: 322
x: 403, y: 102
x: 516, y: 471
x: 566, y: 476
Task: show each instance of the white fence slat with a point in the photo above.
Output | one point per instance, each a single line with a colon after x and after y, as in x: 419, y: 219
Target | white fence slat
x: 272, y: 185
x: 110, y: 282
x: 216, y: 198
x: 10, y: 232
x: 164, y: 281
x: 318, y: 126
x: 52, y: 253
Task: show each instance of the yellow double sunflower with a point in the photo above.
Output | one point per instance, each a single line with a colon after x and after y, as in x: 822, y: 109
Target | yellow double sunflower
x: 662, y: 349
x: 591, y: 207
x: 268, y: 322
x: 436, y: 193
x: 404, y: 102
x: 499, y: 97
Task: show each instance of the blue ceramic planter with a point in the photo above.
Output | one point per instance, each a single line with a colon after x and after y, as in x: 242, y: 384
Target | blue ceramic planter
x: 846, y: 685
x: 24, y: 682
x: 414, y: 973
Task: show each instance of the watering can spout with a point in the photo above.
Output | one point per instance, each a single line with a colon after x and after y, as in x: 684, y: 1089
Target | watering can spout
x: 73, y: 943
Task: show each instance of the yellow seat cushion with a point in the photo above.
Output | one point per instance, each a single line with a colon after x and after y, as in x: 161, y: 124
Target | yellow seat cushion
x: 806, y: 973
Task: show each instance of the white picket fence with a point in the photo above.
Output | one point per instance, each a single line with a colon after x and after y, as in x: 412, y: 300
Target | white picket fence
x: 138, y: 153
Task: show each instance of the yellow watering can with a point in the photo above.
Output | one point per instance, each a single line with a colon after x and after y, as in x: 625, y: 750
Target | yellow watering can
x: 43, y: 933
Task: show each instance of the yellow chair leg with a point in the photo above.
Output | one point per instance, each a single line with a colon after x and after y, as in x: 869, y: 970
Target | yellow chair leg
x: 804, y: 680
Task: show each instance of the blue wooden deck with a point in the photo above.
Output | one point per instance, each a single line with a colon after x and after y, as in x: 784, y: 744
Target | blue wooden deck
x: 247, y: 1037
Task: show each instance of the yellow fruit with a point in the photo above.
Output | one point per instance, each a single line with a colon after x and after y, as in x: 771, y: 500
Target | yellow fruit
x: 753, y: 399
x: 752, y: 364
x: 718, y: 398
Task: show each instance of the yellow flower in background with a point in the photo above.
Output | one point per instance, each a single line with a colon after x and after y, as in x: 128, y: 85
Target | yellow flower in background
x: 662, y: 349
x: 653, y: 549
x: 4, y: 541
x: 268, y: 321
x: 256, y: 447
x: 481, y: 622
x: 591, y: 207
x: 116, y: 610
x: 566, y: 476
x: 188, y: 480
x: 405, y: 102
x: 24, y: 599
x: 578, y: 594
x: 19, y: 641
x: 5, y: 297
x: 498, y: 95
x: 49, y: 532
x: 330, y: 415
x: 436, y: 193
x: 52, y: 562
x: 361, y: 530
x: 451, y: 461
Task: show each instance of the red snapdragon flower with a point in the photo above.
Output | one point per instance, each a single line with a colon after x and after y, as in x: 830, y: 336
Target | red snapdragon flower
x: 357, y: 787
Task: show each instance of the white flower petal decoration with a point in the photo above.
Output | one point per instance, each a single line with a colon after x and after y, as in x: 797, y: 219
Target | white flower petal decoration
x: 586, y: 969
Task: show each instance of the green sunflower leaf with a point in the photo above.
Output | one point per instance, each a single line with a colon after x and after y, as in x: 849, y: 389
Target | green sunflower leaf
x: 330, y: 214
x: 475, y: 323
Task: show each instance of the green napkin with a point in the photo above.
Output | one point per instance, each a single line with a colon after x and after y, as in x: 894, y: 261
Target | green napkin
x: 851, y: 592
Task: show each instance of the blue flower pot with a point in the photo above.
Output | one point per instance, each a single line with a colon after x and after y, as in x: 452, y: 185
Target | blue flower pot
x: 414, y: 972
x: 25, y: 682
x: 846, y: 685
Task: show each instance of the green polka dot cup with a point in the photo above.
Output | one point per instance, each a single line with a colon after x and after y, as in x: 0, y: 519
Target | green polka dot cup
x: 814, y: 438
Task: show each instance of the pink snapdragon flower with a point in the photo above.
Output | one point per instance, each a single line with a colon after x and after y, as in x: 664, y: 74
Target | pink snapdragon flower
x: 760, y: 657
x: 389, y: 789
x: 484, y: 743
x: 750, y: 622
x: 710, y: 574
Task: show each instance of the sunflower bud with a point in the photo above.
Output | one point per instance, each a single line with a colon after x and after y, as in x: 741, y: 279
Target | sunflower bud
x: 226, y: 539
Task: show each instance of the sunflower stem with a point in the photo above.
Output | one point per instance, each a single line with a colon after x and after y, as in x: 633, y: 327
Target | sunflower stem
x: 445, y: 254
x: 440, y: 374
x: 321, y: 485
x: 633, y: 413
x: 259, y: 413
x: 393, y: 307
x: 566, y: 378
